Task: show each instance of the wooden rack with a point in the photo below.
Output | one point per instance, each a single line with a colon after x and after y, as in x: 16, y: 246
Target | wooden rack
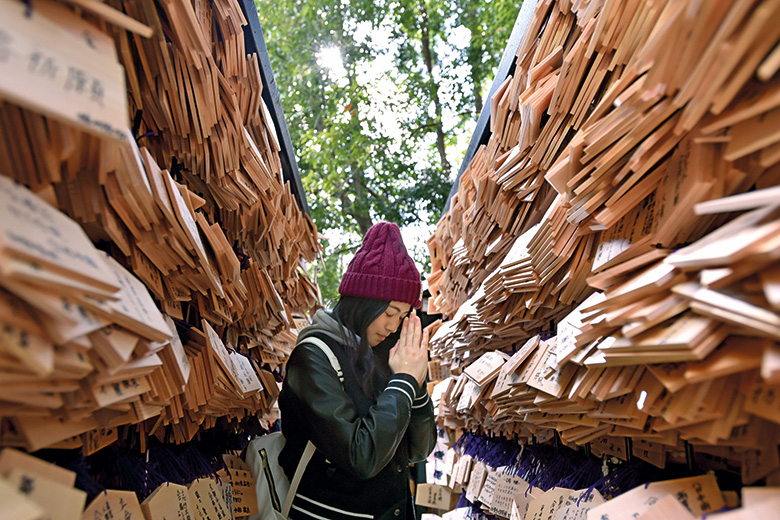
x: 614, y: 237
x: 152, y: 246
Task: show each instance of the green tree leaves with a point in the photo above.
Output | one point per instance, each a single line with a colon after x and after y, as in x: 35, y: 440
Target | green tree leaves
x: 378, y: 96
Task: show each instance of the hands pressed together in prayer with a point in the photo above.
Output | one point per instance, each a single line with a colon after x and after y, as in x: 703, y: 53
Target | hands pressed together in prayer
x: 410, y: 354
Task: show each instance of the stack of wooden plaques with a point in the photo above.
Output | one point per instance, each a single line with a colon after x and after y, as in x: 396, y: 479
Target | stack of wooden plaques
x: 186, y: 246
x: 80, y: 332
x: 85, y: 349
x: 199, y: 93
x: 610, y: 207
x: 192, y: 209
x: 33, y: 489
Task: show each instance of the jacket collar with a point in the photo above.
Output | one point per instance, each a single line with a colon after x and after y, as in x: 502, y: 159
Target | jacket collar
x: 325, y: 324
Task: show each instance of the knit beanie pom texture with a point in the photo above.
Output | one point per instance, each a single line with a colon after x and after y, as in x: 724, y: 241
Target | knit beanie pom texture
x: 382, y: 269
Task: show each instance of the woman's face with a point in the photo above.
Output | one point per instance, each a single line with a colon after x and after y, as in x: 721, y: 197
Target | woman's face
x: 387, y: 322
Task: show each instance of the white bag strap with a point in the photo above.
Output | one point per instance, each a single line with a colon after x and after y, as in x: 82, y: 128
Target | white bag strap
x: 310, y: 449
x: 334, y: 361
x: 305, y: 458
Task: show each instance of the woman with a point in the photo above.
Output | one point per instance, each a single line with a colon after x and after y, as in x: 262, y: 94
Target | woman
x: 368, y: 429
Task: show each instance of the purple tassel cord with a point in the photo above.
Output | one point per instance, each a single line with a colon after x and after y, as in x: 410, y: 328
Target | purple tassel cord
x: 546, y: 466
x: 126, y: 468
x: 474, y: 511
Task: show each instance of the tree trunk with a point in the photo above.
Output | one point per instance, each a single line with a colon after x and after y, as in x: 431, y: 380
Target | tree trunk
x: 428, y: 58
x: 473, y: 58
x: 363, y: 218
x: 477, y: 99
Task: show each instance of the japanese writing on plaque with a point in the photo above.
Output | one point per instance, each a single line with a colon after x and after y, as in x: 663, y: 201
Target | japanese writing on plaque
x: 49, y: 68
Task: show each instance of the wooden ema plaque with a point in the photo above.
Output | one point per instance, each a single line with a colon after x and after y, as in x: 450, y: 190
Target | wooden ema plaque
x: 58, y: 64
x: 168, y: 501
x: 114, y: 503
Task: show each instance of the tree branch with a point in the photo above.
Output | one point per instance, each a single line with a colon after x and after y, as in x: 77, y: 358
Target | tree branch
x: 372, y: 192
x: 436, y: 124
x: 345, y: 249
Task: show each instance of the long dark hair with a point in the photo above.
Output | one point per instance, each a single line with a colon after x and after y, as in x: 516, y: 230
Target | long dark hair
x: 356, y: 314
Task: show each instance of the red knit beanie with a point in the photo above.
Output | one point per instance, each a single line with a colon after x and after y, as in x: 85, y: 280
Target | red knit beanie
x: 382, y: 269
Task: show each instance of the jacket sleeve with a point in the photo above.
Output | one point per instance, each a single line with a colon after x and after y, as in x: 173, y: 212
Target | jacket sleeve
x: 362, y: 446
x: 422, y: 427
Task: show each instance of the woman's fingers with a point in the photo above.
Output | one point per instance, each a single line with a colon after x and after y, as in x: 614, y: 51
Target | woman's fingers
x: 404, y: 331
x: 417, y: 332
x: 410, y: 354
x: 424, y: 355
x: 407, y: 332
